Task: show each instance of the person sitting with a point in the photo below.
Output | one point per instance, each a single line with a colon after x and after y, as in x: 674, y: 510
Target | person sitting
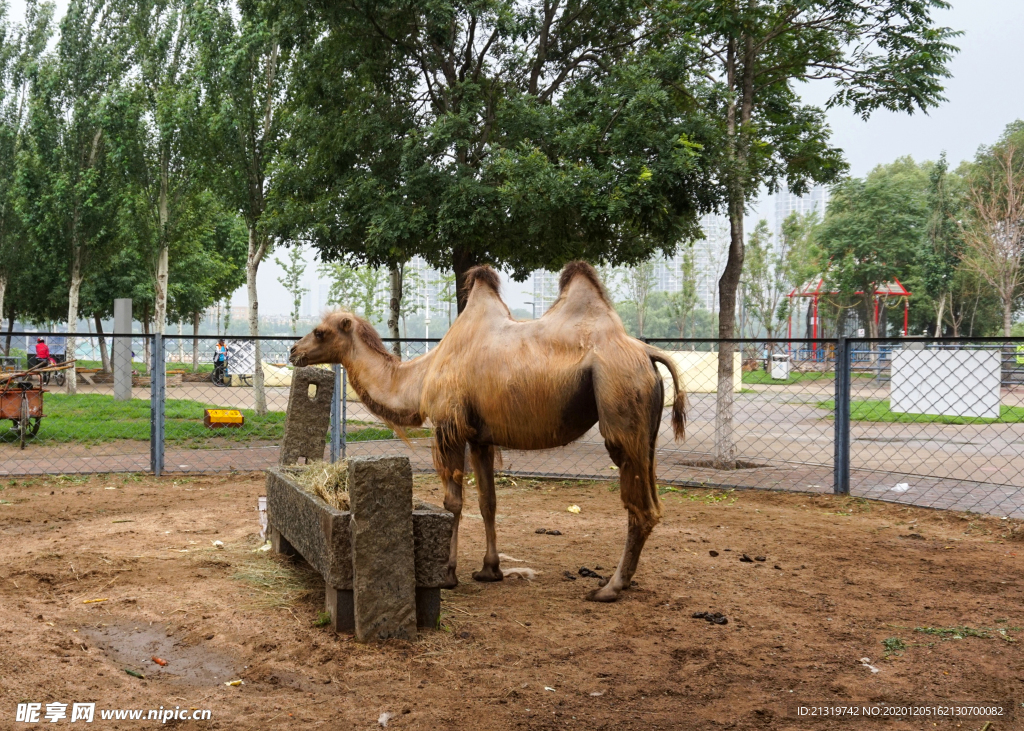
x: 43, y: 353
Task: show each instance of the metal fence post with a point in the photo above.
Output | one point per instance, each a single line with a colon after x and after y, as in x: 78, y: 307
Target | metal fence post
x: 336, y: 415
x: 841, y: 466
x: 344, y: 411
x: 157, y: 404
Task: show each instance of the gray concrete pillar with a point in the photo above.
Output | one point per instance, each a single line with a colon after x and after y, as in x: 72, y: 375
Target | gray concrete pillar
x: 122, y: 350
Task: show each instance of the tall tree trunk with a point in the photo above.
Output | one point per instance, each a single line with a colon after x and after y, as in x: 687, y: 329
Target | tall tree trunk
x: 195, y: 341
x: 258, y: 244
x: 10, y: 329
x: 462, y: 262
x: 73, y: 292
x: 938, y: 319
x: 145, y: 340
x: 3, y: 291
x: 1007, y: 317
x: 104, y: 353
x: 395, y: 307
x: 160, y: 306
x: 739, y: 70
x: 725, y: 450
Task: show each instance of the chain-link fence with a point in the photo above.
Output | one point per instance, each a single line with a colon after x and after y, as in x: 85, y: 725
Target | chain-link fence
x: 930, y: 422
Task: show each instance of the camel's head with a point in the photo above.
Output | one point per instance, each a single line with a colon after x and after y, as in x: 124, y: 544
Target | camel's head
x: 330, y: 341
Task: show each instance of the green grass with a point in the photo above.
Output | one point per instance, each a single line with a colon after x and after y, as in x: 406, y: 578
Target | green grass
x: 95, y: 418
x: 764, y: 377
x: 878, y: 411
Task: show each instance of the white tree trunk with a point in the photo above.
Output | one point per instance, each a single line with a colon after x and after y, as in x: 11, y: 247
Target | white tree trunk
x: 160, y: 285
x: 160, y: 307
x: 395, y: 308
x: 257, y: 249
x: 195, y: 341
x: 938, y: 319
x: 76, y: 286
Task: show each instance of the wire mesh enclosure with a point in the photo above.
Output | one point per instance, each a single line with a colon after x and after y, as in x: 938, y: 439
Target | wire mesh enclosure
x: 936, y: 423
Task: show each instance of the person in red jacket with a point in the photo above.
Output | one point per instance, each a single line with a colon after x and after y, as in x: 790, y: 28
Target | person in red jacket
x: 42, y: 350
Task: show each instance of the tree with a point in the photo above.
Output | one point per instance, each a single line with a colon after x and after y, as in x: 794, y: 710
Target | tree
x: 638, y: 283
x: 395, y: 305
x: 293, y: 269
x: 767, y: 284
x: 683, y: 303
x: 68, y: 200
x: 878, y: 53
x: 412, y: 283
x: 244, y: 72
x: 160, y: 99
x: 356, y: 289
x: 994, y: 227
x: 21, y: 48
x: 945, y: 243
x: 875, y: 230
x: 522, y: 134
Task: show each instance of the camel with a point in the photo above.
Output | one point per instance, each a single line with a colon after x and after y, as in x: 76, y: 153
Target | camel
x: 494, y: 382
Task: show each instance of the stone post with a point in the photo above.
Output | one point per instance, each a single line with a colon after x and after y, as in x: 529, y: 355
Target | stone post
x: 383, y: 568
x: 122, y: 350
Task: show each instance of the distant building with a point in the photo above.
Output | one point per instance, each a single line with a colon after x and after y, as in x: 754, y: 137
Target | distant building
x: 787, y: 203
x: 709, y: 262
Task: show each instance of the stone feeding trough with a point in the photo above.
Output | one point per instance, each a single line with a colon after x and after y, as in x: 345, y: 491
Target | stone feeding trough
x: 384, y: 559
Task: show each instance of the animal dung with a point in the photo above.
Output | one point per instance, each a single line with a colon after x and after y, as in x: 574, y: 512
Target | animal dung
x: 746, y: 559
x: 760, y: 558
x: 713, y: 617
x: 541, y: 530
x: 554, y: 532
x: 588, y: 574
x: 713, y: 554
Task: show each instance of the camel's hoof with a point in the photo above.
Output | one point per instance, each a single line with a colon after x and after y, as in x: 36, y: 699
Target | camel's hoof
x: 603, y: 582
x: 451, y: 581
x: 605, y: 594
x: 488, y: 574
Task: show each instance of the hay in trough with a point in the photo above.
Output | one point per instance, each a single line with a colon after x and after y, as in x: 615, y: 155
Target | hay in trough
x: 327, y: 480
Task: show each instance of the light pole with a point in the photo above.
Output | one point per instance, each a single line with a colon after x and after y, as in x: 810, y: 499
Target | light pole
x: 534, y: 306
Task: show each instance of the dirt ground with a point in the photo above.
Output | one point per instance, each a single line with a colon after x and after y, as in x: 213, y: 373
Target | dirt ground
x: 840, y: 577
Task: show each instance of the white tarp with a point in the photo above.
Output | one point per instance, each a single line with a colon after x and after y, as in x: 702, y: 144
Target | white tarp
x: 946, y: 382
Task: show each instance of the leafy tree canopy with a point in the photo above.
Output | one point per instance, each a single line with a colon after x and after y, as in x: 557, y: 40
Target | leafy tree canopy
x: 520, y: 133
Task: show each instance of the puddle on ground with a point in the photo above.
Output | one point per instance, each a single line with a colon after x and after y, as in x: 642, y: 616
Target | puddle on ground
x: 133, y: 646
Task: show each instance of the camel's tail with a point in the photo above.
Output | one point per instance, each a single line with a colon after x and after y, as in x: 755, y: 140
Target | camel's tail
x: 679, y: 401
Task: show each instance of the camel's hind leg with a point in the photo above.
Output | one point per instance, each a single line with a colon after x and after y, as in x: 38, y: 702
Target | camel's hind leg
x: 450, y: 462
x: 631, y: 439
x: 483, y: 467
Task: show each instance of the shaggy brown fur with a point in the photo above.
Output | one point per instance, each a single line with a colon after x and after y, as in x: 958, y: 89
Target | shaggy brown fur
x: 495, y: 382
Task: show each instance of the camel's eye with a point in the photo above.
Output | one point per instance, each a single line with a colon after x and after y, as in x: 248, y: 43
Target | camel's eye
x: 318, y: 334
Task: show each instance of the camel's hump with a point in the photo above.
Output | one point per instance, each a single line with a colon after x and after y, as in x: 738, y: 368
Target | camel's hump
x: 485, y: 275
x: 581, y: 269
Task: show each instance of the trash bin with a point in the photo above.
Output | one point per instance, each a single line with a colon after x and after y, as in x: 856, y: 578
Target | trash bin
x: 780, y: 367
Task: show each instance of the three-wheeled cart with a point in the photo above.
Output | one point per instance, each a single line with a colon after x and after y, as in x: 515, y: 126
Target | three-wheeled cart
x: 21, y: 401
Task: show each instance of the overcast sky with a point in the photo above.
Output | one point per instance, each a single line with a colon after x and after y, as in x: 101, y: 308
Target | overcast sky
x: 985, y: 93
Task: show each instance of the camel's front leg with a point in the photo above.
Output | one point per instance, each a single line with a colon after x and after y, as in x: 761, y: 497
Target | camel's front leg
x: 483, y: 467
x: 451, y: 462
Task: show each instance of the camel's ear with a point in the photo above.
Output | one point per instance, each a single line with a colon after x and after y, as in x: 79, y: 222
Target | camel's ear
x: 345, y: 325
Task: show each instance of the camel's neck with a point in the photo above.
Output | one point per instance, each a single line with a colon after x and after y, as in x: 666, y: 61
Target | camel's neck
x: 390, y: 389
